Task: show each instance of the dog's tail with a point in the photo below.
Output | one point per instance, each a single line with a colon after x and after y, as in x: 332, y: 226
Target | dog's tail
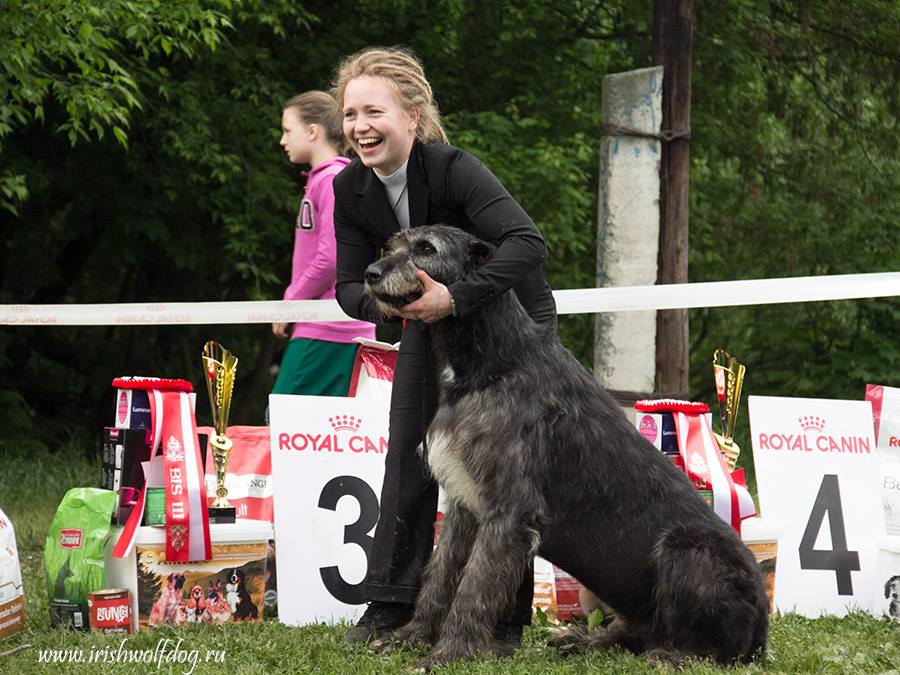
x: 710, y: 595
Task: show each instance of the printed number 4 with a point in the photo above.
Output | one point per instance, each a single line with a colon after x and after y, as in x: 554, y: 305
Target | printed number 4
x: 839, y: 559
x: 354, y: 533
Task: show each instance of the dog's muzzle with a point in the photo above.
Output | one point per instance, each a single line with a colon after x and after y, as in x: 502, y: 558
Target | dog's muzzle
x: 392, y: 282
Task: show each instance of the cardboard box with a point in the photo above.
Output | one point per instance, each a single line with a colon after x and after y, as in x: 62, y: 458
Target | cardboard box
x: 227, y: 589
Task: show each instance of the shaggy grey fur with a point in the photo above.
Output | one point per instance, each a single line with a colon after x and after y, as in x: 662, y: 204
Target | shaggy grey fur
x: 536, y: 458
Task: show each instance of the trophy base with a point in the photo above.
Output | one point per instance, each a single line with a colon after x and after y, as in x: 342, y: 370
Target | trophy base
x: 221, y: 515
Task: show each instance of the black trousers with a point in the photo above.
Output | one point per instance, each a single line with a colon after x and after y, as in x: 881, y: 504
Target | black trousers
x: 404, y: 536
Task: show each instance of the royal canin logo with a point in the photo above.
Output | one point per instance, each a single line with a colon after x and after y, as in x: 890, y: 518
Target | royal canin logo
x: 814, y: 438
x: 345, y: 423
x: 812, y: 423
x: 331, y: 442
x: 70, y: 538
x: 894, y: 442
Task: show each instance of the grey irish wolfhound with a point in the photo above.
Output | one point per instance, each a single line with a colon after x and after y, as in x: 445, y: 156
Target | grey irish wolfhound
x: 535, y: 457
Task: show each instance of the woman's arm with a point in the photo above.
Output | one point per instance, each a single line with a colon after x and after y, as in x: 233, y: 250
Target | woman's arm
x: 355, y: 252
x: 498, y: 218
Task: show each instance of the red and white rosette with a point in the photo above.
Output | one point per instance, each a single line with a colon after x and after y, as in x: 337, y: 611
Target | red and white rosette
x: 703, y: 462
x: 176, y: 446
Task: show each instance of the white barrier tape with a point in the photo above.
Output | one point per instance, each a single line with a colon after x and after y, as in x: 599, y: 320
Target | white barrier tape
x: 729, y: 293
x: 578, y: 301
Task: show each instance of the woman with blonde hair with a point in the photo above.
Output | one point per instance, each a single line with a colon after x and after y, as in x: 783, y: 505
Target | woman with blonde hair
x: 406, y: 175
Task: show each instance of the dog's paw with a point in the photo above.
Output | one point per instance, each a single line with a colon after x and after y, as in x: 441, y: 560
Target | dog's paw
x: 566, y: 639
x: 384, y: 645
x: 442, y: 654
x: 410, y: 635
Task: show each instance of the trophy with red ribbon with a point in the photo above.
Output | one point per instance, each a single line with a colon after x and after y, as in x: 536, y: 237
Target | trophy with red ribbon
x: 221, y: 366
x: 729, y: 376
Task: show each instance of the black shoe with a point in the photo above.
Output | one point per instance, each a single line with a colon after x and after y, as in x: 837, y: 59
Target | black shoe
x: 507, y: 638
x: 379, y: 618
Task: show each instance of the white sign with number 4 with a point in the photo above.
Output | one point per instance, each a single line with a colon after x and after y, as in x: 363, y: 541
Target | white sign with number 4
x: 817, y: 474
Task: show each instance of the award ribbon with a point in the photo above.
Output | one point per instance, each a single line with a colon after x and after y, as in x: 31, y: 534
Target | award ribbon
x: 187, y: 519
x: 704, y: 464
x: 175, y: 438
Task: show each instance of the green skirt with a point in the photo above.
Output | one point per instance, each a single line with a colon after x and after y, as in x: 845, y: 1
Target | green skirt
x: 316, y: 368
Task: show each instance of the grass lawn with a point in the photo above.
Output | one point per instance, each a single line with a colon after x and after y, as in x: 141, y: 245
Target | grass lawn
x: 32, y: 484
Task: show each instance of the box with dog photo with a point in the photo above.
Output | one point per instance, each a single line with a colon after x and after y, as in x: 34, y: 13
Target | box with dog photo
x: 229, y: 588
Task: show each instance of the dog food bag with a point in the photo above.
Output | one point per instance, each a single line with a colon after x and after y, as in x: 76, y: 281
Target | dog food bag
x: 12, y: 598
x: 886, y: 417
x: 73, y: 553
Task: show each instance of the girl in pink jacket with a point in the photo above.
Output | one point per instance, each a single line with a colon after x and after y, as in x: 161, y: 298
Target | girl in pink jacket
x: 318, y: 360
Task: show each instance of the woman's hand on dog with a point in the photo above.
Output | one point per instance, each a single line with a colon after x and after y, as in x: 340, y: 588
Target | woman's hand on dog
x: 434, y: 303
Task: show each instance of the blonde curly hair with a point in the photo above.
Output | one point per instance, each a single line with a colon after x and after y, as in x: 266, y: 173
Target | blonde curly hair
x: 404, y: 72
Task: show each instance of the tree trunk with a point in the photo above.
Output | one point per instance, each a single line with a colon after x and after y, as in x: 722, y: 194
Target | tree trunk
x: 673, y: 32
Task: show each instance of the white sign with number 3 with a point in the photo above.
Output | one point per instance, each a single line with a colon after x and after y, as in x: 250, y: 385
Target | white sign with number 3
x: 327, y: 469
x: 817, y: 474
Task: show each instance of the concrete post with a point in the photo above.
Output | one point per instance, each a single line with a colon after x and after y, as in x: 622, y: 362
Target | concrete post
x: 628, y: 227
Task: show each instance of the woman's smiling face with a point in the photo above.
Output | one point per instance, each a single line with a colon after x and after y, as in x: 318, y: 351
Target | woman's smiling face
x: 376, y: 124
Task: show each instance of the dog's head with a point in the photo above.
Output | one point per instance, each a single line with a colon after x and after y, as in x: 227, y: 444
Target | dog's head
x: 444, y: 253
x: 892, y: 588
x: 196, y: 593
x: 176, y: 580
x: 214, y: 591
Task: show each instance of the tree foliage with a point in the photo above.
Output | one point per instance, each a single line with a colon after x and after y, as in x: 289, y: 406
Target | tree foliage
x: 140, y: 164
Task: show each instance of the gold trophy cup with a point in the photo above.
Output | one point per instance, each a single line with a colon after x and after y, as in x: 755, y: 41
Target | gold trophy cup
x: 729, y: 376
x: 220, y: 366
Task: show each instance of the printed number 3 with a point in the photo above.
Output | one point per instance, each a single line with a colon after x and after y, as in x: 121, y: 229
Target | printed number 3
x: 838, y: 558
x: 354, y: 533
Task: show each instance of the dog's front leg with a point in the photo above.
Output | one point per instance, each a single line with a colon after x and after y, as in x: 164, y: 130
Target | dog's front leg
x: 442, y: 575
x: 501, y: 553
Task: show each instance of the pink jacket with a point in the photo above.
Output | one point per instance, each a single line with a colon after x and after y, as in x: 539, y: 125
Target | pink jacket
x: 312, y: 269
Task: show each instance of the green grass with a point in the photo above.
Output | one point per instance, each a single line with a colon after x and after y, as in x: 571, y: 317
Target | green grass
x: 31, y: 485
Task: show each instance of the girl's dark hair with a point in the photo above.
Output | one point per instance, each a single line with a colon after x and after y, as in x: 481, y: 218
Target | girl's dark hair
x: 319, y: 107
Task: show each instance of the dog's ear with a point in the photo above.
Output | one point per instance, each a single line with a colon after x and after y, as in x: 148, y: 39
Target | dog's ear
x: 479, y: 252
x: 887, y: 587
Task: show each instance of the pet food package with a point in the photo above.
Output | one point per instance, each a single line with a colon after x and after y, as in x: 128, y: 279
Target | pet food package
x: 886, y: 417
x: 544, y: 588
x: 373, y: 370
x: 74, y: 553
x: 249, y: 472
x: 886, y: 601
x: 12, y: 598
x: 228, y: 588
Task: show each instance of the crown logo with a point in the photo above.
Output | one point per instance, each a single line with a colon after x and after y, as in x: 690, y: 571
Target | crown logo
x: 345, y: 422
x: 811, y: 423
